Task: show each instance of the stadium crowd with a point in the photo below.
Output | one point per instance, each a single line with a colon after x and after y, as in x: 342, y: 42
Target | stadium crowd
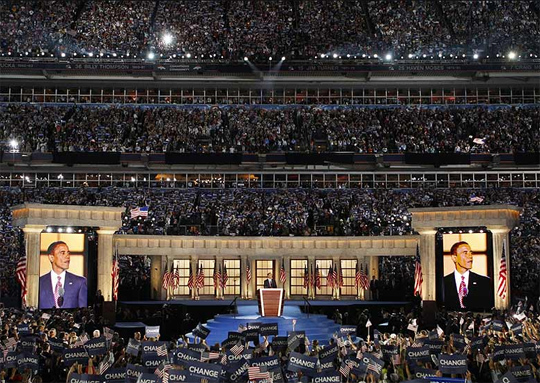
x: 232, y: 29
x: 283, y: 212
x: 490, y: 346
x: 226, y: 129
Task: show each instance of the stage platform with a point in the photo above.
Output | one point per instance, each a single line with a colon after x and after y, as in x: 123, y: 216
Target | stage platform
x: 249, y: 302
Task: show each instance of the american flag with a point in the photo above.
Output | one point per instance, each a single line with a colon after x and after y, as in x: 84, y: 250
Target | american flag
x: 248, y: 272
x: 115, y: 274
x: 237, y: 349
x: 306, y: 278
x: 330, y: 278
x: 501, y: 290
x: 21, y: 277
x: 139, y: 212
x: 312, y: 277
x: 109, y: 334
x: 341, y: 281
x: 357, y: 277
x: 282, y: 274
x: 162, y: 350
x: 365, y: 280
x: 106, y: 363
x: 82, y: 340
x: 217, y: 275
x: 167, y: 277
x: 10, y: 343
x: 224, y: 277
x: 191, y: 279
x: 163, y: 372
x: 418, y: 278
x: 258, y: 372
x: 209, y: 356
x: 200, y: 278
x: 345, y: 369
x: 317, y: 277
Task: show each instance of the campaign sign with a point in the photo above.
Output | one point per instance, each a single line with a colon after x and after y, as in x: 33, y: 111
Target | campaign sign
x: 375, y: 365
x: 347, y: 330
x: 435, y: 346
x: 133, y: 347
x: 96, y: 346
x: 201, y: 331
x: 433, y: 335
x: 254, y: 325
x: 329, y: 353
x: 199, y: 347
x: 269, y: 362
x: 10, y: 360
x: 507, y: 378
x: 183, y: 376
x: 238, y: 370
x: 146, y: 377
x: 231, y: 358
x: 152, y: 331
x: 514, y: 351
x: 269, y: 329
x: 229, y: 342
x: 477, y: 343
x: 115, y: 375
x: 421, y: 354
x: 56, y: 344
x: 72, y: 355
x: 239, y: 336
x: 330, y: 377
x: 327, y: 365
x: 291, y: 376
x: 133, y: 372
x: 453, y: 364
x: 184, y: 356
x: 152, y: 361
x: 459, y: 341
x: 28, y: 344
x: 299, y: 362
x: 529, y: 349
x: 26, y: 360
x: 295, y: 339
x: 150, y: 347
x: 277, y: 375
x: 390, y: 351
x: 252, y: 335
x: 522, y: 373
x: 498, y: 353
x: 23, y: 329
x: 517, y: 329
x: 279, y: 343
x: 421, y: 373
x: 497, y: 325
x: 85, y: 378
x: 211, y: 372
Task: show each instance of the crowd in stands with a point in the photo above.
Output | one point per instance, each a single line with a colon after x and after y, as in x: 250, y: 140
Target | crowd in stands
x: 490, y: 346
x: 232, y: 29
x: 226, y: 129
x: 283, y: 212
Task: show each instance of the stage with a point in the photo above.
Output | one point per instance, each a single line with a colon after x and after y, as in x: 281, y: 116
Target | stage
x: 249, y: 302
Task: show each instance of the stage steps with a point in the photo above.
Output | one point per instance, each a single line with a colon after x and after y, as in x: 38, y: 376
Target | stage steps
x: 316, y: 326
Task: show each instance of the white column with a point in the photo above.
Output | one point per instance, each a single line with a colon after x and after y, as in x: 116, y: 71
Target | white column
x: 157, y: 265
x: 32, y: 241
x: 427, y: 260
x: 105, y: 260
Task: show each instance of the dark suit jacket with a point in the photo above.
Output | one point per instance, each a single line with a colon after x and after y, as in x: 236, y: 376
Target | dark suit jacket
x: 479, y: 294
x: 75, y: 294
x: 272, y: 284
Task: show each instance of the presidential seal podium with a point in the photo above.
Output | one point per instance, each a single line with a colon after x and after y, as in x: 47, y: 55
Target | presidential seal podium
x: 270, y: 302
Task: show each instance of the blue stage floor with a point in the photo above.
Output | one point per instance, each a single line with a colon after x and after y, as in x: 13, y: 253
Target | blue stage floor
x: 241, y: 302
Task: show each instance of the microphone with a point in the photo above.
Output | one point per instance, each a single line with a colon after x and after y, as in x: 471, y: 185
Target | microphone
x: 60, y: 300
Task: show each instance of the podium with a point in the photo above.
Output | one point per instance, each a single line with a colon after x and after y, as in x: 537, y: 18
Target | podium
x: 270, y: 302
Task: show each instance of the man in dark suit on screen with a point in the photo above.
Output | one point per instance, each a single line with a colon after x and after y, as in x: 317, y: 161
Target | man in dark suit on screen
x: 463, y: 289
x: 60, y: 288
x: 269, y: 282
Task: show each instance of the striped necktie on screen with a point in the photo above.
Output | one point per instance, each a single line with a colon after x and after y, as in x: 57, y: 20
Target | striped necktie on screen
x: 462, y: 291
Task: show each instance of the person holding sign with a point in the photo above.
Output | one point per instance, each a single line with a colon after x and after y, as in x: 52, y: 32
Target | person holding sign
x: 60, y: 288
x: 464, y: 289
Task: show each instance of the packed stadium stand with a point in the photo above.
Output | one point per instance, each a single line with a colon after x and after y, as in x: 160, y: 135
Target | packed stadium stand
x: 221, y: 128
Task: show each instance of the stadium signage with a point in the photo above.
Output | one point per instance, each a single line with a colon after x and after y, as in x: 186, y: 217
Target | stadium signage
x: 453, y: 364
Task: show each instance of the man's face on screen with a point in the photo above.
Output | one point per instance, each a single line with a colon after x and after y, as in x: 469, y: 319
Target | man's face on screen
x: 463, y: 258
x: 60, y: 258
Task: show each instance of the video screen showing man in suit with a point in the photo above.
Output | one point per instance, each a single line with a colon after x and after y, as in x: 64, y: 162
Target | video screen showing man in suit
x: 465, y: 289
x: 270, y: 282
x: 59, y: 288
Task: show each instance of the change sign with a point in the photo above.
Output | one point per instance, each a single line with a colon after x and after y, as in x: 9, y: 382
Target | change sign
x: 115, y: 375
x: 268, y: 329
x: 97, y: 346
x: 180, y: 376
x: 238, y: 370
x: 331, y: 377
x: 328, y: 353
x: 269, y: 362
x: 146, y: 377
x: 347, y: 330
x: 86, y: 378
x: 72, y: 355
x: 305, y: 364
x: 28, y: 361
x: 184, y: 356
x: 211, y: 372
x: 514, y: 351
x: 418, y: 354
x: 453, y: 364
x: 133, y: 372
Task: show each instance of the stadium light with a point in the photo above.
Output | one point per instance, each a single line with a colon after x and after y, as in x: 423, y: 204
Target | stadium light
x: 388, y: 57
x: 282, y: 58
x: 270, y: 58
x: 188, y: 55
x: 475, y: 56
x: 245, y: 58
x: 14, y: 144
x: 411, y: 55
x: 334, y: 55
x: 512, y: 55
x: 151, y: 55
x: 91, y: 54
x: 375, y: 55
x: 167, y: 39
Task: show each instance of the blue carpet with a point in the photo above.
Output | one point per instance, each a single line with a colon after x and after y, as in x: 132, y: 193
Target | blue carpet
x: 240, y: 302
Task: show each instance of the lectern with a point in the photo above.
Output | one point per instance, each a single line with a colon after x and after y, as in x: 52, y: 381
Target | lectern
x: 270, y: 302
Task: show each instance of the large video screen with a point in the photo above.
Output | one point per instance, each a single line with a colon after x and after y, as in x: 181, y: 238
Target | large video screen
x: 466, y: 271
x: 62, y: 281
